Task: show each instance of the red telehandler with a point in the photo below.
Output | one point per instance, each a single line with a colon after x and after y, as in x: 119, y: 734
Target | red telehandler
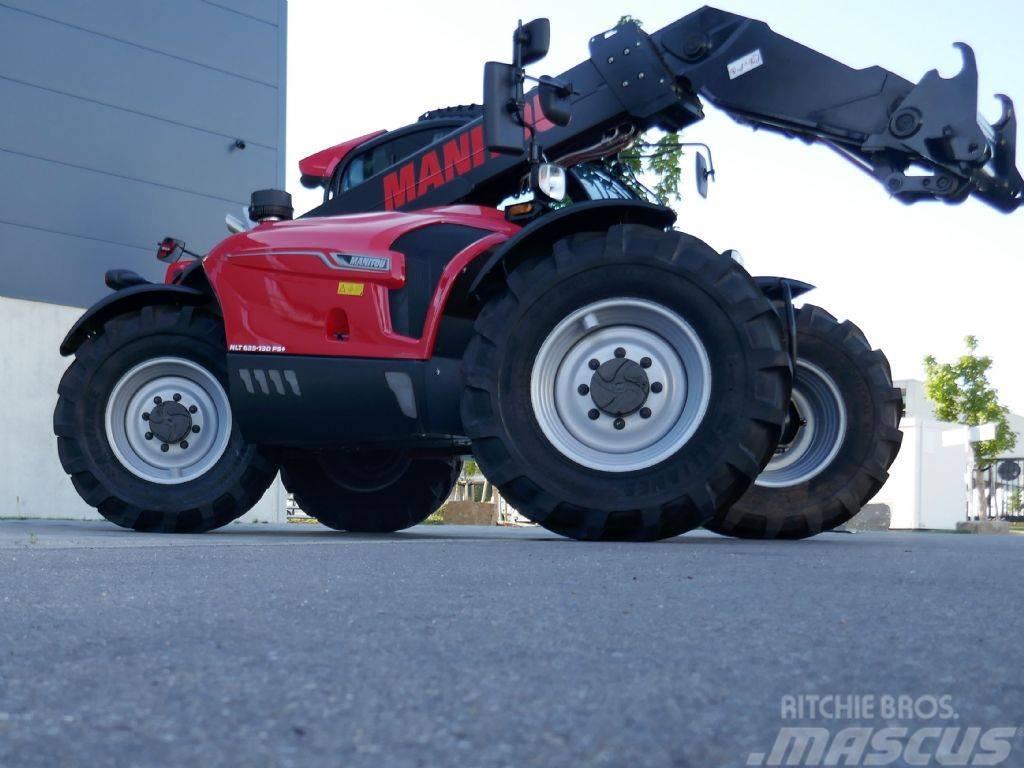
x: 614, y: 377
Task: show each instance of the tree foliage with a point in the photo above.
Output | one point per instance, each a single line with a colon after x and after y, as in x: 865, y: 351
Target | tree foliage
x: 661, y: 158
x: 962, y: 393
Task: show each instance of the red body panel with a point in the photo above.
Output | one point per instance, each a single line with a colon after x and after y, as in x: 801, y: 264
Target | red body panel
x: 322, y: 164
x: 284, y: 286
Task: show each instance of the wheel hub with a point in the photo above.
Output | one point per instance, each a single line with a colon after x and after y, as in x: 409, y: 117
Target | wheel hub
x: 170, y: 422
x: 619, y: 387
x: 620, y: 384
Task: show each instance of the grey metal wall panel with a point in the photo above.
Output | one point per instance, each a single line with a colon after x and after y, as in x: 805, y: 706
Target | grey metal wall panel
x: 265, y: 10
x: 55, y: 268
x: 188, y: 29
x: 52, y: 55
x: 116, y: 131
x: 74, y: 201
x: 84, y: 134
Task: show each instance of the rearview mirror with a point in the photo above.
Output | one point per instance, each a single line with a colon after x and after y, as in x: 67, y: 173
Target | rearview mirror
x: 702, y: 175
x: 554, y: 101
x: 531, y: 42
x: 502, y: 131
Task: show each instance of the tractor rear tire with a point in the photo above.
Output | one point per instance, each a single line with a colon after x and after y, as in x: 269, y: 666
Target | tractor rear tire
x: 832, y: 466
x: 368, y: 491
x: 144, y: 425
x: 625, y: 386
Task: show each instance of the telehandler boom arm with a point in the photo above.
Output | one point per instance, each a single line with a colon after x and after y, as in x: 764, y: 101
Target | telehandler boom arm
x: 633, y: 81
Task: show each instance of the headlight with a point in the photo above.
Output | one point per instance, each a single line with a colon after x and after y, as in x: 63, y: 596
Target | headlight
x: 548, y: 180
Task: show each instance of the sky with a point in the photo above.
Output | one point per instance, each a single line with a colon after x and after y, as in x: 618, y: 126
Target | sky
x: 916, y: 279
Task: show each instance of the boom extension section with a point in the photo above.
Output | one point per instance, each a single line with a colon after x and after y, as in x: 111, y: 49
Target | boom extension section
x: 873, y: 117
x: 923, y: 141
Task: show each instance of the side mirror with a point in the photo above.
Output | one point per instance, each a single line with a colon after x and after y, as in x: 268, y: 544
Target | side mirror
x: 170, y: 250
x: 531, y: 42
x: 554, y: 100
x: 502, y: 131
x: 702, y: 175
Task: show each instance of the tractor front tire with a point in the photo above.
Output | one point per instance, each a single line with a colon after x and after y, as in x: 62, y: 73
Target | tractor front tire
x: 626, y: 385
x: 378, y: 491
x: 845, y: 417
x: 144, y: 425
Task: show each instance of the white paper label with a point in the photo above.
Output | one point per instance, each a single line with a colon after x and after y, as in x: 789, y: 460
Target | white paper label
x: 745, y: 64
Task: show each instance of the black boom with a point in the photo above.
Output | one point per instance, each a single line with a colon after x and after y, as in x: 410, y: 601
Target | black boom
x: 922, y: 141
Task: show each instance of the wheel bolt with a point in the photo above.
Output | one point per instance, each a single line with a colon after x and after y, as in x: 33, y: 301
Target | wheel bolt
x: 149, y: 435
x: 145, y: 417
x: 594, y: 365
x: 183, y: 444
x: 619, y: 423
x: 195, y: 428
x: 165, y: 447
x: 656, y: 387
x: 583, y: 389
x: 158, y: 399
x: 177, y: 397
x: 645, y: 413
x: 594, y: 414
x: 645, y: 362
x: 620, y: 352
x: 192, y: 409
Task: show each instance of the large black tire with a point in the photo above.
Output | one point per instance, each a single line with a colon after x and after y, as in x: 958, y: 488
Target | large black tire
x: 747, y: 394
x: 834, y: 489
x: 222, y: 493
x: 368, y: 492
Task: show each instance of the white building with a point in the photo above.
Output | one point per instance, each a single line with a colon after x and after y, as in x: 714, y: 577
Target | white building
x: 927, y: 485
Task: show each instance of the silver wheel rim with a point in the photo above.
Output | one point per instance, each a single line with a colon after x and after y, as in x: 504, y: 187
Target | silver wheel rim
x: 139, y: 410
x: 818, y: 440
x: 652, y: 337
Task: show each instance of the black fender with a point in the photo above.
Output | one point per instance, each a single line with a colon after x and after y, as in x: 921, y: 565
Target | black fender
x: 781, y: 291
x: 591, y: 216
x: 128, y: 300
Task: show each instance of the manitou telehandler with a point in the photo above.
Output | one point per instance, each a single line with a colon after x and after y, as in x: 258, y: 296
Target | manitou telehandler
x: 614, y: 377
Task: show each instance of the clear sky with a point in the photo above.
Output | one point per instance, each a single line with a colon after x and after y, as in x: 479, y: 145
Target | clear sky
x: 916, y: 279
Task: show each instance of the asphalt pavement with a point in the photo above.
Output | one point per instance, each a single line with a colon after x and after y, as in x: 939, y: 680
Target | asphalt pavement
x: 454, y: 646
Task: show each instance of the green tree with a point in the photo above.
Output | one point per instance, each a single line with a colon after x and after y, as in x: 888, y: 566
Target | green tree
x: 662, y: 158
x: 962, y: 393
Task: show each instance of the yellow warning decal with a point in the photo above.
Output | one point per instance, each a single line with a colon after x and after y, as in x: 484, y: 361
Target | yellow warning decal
x: 350, y: 289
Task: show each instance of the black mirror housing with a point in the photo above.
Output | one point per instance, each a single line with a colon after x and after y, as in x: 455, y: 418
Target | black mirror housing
x: 532, y: 41
x: 502, y: 131
x: 554, y: 101
x: 702, y: 175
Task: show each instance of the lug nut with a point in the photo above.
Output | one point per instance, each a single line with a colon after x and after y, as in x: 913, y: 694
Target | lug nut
x: 583, y: 389
x: 620, y: 352
x: 619, y: 423
x: 594, y: 364
x: 158, y: 399
x: 195, y: 428
x: 149, y: 435
x: 165, y: 447
x: 656, y: 387
x: 645, y: 413
x: 594, y: 414
x: 645, y: 362
x: 177, y: 397
x: 192, y: 409
x: 145, y: 417
x: 183, y: 444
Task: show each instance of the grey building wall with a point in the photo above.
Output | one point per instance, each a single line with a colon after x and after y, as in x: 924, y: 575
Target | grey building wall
x: 117, y: 127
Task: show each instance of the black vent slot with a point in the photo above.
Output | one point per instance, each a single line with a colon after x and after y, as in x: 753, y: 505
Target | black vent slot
x: 427, y: 251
